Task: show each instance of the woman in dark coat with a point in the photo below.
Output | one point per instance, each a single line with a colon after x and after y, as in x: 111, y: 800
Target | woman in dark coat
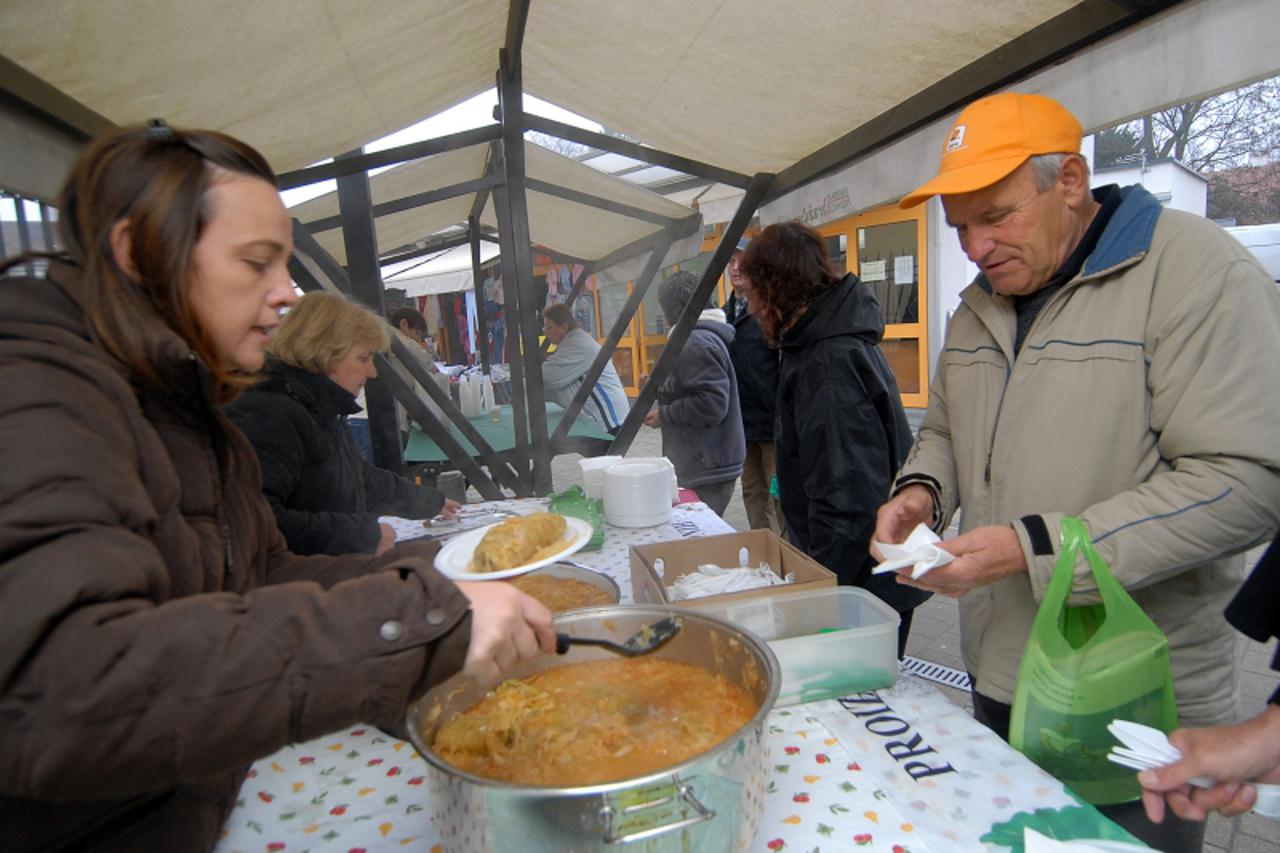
x: 156, y: 636
x: 841, y: 433
x: 326, y: 496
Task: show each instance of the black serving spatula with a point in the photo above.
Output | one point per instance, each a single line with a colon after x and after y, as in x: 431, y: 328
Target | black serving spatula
x: 647, y: 639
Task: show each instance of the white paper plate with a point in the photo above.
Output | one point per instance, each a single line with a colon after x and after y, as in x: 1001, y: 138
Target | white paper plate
x: 453, y: 558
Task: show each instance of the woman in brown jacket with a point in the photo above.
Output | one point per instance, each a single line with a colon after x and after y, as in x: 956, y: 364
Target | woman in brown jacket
x: 155, y: 634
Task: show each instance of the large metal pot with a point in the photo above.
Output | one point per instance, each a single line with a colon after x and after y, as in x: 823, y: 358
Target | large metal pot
x: 711, y: 802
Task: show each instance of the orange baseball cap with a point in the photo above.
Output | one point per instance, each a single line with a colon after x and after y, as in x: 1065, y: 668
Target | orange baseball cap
x: 995, y: 135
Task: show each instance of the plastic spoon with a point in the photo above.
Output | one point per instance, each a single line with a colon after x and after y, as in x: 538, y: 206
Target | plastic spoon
x: 642, y: 642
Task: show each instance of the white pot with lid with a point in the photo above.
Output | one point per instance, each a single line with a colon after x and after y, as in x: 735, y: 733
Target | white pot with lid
x: 639, y: 492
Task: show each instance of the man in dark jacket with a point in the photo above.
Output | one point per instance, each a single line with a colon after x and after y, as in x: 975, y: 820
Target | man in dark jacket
x: 755, y: 364
x: 698, y: 408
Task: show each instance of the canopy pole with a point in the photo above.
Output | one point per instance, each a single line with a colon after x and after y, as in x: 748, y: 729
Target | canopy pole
x: 679, y: 333
x: 514, y: 226
x: 511, y: 313
x: 482, y: 313
x: 355, y: 205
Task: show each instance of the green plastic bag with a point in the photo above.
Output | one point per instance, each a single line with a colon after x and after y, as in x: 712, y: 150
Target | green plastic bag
x: 1084, y: 667
x: 574, y: 502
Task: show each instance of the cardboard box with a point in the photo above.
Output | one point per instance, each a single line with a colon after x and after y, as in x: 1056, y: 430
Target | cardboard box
x: 685, y: 555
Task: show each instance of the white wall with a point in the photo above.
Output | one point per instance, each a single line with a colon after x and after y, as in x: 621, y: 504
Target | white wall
x: 1175, y: 186
x: 949, y: 273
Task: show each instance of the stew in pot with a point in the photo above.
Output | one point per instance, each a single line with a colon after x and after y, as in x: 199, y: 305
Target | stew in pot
x: 600, y: 721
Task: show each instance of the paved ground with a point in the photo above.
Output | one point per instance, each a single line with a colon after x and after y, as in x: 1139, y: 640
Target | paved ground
x: 935, y: 637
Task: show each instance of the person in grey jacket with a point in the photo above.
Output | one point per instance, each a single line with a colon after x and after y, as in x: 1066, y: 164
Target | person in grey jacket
x: 564, y: 370
x: 1116, y: 362
x: 698, y: 408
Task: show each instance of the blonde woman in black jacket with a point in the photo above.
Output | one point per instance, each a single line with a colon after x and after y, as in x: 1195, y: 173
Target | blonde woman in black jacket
x: 326, y: 496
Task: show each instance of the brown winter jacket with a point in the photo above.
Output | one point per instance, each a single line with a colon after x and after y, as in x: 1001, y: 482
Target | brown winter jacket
x: 155, y: 635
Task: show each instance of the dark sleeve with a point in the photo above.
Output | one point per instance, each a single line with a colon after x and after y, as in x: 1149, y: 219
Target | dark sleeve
x: 700, y: 395
x: 387, y: 493
x: 286, y: 440
x: 846, y: 453
x: 1255, y: 610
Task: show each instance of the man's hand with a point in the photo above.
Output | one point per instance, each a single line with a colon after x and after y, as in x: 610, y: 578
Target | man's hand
x: 896, y: 519
x: 1233, y: 755
x: 507, y: 627
x: 450, y: 509
x: 983, y: 555
x: 653, y: 419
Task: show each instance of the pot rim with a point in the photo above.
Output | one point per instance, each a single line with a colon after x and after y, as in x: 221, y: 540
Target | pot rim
x: 597, y: 578
x: 764, y: 654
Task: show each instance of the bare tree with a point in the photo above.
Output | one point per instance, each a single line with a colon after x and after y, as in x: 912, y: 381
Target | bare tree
x: 573, y: 150
x: 1232, y: 139
x: 1208, y: 134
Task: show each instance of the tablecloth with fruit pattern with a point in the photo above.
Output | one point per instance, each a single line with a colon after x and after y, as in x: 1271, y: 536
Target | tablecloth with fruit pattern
x: 899, y: 769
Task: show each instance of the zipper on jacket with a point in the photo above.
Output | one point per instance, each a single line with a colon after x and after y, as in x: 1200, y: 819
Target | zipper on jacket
x: 995, y: 424
x: 1008, y: 371
x: 228, y: 558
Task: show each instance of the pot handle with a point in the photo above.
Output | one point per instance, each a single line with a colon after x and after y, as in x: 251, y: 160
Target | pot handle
x: 664, y: 806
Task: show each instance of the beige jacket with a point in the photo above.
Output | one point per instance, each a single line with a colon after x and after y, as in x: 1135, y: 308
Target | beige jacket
x: 1144, y: 401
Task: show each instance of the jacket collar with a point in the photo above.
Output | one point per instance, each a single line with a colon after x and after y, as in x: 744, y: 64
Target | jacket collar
x: 1127, y: 237
x: 847, y: 308
x: 188, y: 393
x: 318, y: 393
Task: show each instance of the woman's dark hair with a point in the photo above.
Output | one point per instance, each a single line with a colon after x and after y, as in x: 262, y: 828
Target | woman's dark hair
x: 786, y: 267
x: 158, y: 179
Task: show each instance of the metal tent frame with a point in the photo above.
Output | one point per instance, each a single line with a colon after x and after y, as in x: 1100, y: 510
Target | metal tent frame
x: 507, y: 184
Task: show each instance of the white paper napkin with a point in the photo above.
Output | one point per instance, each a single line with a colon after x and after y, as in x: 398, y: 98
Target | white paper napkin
x: 920, y: 551
x: 1034, y: 842
x: 711, y: 579
x: 1146, y: 748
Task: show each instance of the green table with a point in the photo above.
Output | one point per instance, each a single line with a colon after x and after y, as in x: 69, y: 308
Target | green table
x: 584, y: 437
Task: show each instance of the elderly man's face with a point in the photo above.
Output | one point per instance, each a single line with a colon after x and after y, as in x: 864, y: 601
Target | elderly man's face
x: 1017, y: 235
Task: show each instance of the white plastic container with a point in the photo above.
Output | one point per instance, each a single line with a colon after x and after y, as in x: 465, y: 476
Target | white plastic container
x: 593, y: 468
x: 638, y: 492
x: 475, y: 394
x: 829, y: 642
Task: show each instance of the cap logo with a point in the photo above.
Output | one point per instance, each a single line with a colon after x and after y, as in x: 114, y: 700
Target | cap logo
x: 955, y: 139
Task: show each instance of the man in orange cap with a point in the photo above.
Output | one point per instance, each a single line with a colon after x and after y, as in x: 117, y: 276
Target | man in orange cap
x: 1113, y: 361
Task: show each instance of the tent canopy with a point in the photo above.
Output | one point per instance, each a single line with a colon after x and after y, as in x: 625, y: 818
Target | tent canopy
x: 555, y: 223
x: 778, y: 100
x: 447, y: 272
x: 747, y: 86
